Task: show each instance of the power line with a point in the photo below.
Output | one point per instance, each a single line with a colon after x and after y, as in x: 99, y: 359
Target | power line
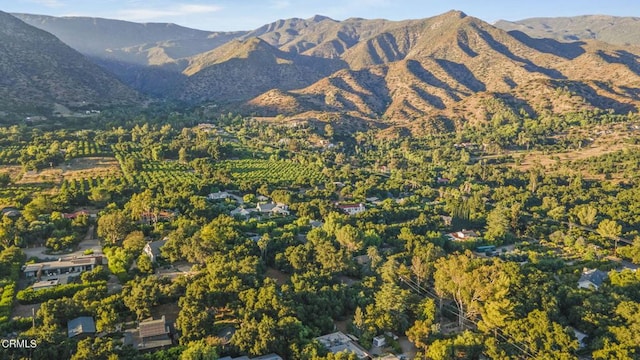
x: 454, y: 311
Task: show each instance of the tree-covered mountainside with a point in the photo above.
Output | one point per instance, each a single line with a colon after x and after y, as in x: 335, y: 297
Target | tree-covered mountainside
x: 38, y: 70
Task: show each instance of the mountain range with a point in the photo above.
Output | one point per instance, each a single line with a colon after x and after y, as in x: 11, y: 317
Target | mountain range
x: 612, y: 29
x: 439, y: 72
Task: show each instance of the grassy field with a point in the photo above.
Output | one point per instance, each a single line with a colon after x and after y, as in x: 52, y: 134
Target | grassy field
x: 79, y: 168
x: 604, y: 140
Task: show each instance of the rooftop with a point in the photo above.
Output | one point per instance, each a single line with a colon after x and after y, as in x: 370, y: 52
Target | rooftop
x: 594, y: 276
x: 81, y: 325
x: 339, y: 342
x: 150, y: 328
x: 63, y: 263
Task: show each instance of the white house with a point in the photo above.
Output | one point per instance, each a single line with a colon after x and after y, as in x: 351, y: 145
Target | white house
x: 152, y: 249
x: 220, y: 195
x: 352, y: 209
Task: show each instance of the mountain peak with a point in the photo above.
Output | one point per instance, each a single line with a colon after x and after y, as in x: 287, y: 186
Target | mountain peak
x: 319, y: 18
x: 455, y: 13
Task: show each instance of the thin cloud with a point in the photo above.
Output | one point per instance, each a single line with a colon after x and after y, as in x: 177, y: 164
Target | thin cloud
x: 146, y: 14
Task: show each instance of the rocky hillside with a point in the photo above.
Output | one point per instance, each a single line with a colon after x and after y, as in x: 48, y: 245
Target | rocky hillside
x: 38, y: 70
x: 443, y: 66
x: 444, y: 71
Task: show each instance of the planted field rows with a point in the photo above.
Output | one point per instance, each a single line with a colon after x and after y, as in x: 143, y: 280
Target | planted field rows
x: 153, y: 174
x: 272, y: 171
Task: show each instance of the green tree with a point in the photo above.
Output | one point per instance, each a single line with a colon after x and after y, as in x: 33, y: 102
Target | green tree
x: 419, y: 333
x: 199, y: 350
x: 112, y: 227
x: 119, y: 261
x: 95, y: 349
x: 609, y: 229
x: 470, y: 282
x: 497, y: 225
x: 543, y: 337
x: 140, y: 295
x: 586, y: 214
x: 350, y: 238
x: 144, y: 264
x: 134, y: 242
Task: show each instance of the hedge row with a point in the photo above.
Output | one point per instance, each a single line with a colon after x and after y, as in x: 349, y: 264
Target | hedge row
x: 30, y: 296
x: 6, y: 300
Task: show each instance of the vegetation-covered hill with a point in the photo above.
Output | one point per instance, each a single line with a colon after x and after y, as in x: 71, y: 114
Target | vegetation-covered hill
x: 38, y: 70
x: 437, y: 71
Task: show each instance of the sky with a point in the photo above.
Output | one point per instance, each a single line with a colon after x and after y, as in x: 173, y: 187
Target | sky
x: 229, y: 15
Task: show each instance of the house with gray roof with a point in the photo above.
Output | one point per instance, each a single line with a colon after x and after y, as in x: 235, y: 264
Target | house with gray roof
x: 592, y: 279
x: 152, y: 249
x: 81, y: 326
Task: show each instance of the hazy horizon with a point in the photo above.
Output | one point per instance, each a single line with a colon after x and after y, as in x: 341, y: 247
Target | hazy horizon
x: 226, y: 15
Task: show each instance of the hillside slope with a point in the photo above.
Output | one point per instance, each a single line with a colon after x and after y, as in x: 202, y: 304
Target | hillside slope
x: 38, y: 70
x: 444, y: 66
x: 612, y: 29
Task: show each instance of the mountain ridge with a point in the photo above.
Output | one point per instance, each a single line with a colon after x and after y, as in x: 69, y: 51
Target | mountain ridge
x: 438, y: 70
x: 616, y: 30
x: 38, y: 70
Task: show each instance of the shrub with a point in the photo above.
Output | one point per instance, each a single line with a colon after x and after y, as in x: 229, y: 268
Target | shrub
x: 30, y: 296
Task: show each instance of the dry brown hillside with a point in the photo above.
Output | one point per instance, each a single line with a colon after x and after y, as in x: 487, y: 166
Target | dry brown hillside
x: 435, y: 68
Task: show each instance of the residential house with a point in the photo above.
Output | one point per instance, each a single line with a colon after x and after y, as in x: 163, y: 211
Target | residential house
x: 273, y: 209
x: 150, y: 334
x: 464, y: 235
x: 11, y: 212
x: 62, y: 266
x: 220, y: 195
x: 81, y: 327
x: 339, y: 342
x: 152, y: 249
x: 315, y: 223
x: 352, y: 209
x: 149, y: 217
x: 592, y: 279
x: 241, y: 212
